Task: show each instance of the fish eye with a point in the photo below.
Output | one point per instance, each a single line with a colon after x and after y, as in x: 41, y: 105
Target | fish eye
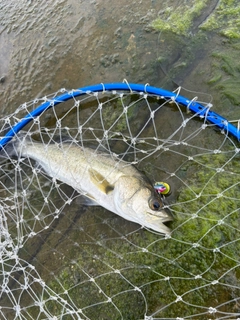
x: 154, y: 204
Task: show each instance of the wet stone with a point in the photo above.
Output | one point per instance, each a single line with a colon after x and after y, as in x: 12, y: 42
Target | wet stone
x: 118, y: 32
x: 108, y: 60
x: 2, y: 79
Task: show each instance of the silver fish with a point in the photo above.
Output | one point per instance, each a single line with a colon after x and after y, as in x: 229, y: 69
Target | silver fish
x: 108, y: 181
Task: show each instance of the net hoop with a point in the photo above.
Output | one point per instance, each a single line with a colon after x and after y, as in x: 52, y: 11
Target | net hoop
x: 191, y: 105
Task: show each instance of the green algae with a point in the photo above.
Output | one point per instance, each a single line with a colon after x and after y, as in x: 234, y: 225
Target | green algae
x: 179, y: 20
x: 225, y: 19
x: 219, y: 29
x: 117, y: 112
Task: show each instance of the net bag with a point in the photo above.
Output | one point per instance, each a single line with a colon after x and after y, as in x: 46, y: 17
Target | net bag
x: 65, y: 257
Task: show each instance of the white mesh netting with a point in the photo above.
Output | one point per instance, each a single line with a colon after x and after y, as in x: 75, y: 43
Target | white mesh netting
x: 61, y: 259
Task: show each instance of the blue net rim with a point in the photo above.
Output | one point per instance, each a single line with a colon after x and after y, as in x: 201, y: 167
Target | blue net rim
x: 192, y: 105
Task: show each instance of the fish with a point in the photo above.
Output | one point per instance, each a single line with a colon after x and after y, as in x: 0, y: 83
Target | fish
x: 105, y: 179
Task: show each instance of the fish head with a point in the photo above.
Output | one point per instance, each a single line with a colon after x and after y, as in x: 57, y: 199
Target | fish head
x: 136, y: 200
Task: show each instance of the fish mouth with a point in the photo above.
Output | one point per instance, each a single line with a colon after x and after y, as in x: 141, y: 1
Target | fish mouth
x: 157, y: 219
x: 165, y: 215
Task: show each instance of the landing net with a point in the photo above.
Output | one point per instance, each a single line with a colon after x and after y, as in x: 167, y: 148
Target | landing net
x: 62, y: 259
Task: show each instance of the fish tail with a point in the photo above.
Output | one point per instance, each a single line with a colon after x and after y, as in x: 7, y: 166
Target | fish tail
x: 9, y: 150
x: 13, y: 147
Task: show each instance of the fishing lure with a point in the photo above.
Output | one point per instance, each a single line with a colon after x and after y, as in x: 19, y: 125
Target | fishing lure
x: 162, y: 188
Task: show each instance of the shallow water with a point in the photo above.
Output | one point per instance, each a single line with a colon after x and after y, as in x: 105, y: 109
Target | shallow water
x: 76, y: 43
x: 71, y: 44
x: 46, y: 46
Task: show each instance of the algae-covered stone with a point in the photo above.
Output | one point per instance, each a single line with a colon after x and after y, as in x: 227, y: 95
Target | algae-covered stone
x: 224, y: 18
x: 213, y: 60
x: 179, y: 19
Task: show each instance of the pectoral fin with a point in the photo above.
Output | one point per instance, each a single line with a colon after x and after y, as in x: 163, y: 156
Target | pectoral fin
x: 100, y: 182
x: 86, y: 200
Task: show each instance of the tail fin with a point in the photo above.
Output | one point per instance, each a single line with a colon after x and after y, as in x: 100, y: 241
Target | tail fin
x: 11, y: 149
